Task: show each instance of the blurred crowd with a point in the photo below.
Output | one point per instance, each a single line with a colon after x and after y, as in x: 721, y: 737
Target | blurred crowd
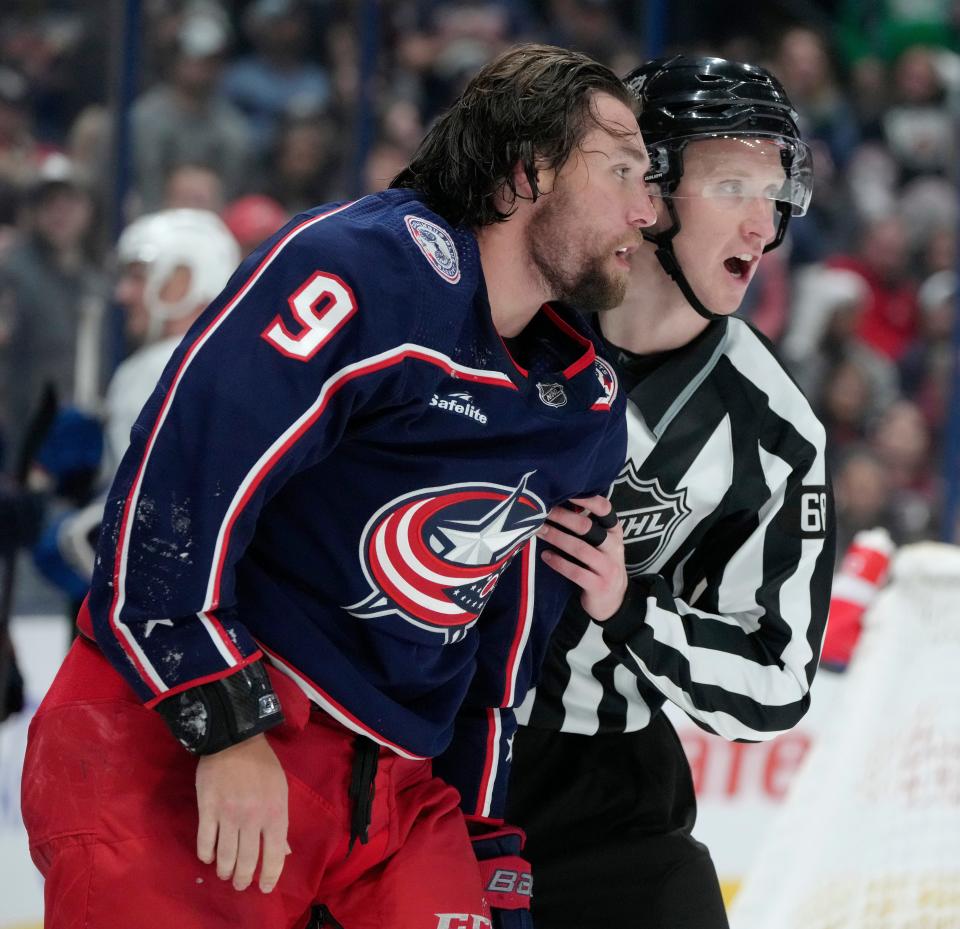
x: 257, y: 110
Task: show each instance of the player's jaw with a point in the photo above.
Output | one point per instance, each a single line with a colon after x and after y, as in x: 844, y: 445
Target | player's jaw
x: 580, y: 266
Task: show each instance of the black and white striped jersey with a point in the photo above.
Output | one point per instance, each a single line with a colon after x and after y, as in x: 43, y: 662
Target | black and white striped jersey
x: 729, y: 537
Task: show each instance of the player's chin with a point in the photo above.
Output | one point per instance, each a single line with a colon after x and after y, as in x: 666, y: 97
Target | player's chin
x: 726, y: 299
x: 615, y: 289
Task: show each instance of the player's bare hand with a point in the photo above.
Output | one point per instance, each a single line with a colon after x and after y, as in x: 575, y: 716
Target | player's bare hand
x: 601, y: 574
x: 242, y: 801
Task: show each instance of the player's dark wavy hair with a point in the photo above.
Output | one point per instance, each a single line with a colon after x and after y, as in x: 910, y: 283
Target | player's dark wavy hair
x: 532, y: 105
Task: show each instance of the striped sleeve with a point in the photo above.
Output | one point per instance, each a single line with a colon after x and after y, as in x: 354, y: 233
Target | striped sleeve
x: 740, y: 652
x: 261, y: 387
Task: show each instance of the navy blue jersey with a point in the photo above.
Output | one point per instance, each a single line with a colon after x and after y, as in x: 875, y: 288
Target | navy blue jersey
x: 340, y: 468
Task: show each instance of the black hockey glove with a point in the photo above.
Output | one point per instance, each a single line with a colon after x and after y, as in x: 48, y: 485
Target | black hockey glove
x: 211, y: 717
x: 507, y: 884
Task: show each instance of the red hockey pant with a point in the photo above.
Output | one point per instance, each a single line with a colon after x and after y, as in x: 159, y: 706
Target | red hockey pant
x: 110, y: 807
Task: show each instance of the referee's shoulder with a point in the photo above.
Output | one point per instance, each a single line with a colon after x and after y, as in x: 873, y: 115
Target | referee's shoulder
x: 756, y: 359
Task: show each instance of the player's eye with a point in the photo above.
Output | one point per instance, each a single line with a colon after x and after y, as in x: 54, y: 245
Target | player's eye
x: 729, y: 189
x: 622, y: 171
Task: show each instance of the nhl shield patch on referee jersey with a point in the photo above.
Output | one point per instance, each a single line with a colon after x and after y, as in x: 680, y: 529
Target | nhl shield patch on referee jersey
x: 649, y: 516
x: 437, y: 247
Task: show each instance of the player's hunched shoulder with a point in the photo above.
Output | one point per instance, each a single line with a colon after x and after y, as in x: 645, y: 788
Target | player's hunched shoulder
x: 403, y: 261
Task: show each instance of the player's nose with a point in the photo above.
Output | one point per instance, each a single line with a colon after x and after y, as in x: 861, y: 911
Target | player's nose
x: 642, y: 211
x: 760, y: 219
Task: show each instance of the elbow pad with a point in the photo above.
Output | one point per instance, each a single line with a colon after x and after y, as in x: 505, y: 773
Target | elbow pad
x: 211, y: 717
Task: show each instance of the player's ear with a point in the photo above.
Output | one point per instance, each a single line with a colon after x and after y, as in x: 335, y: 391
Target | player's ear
x: 536, y: 179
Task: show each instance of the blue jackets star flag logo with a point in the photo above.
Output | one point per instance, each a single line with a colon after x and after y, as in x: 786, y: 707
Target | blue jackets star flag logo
x: 434, y: 556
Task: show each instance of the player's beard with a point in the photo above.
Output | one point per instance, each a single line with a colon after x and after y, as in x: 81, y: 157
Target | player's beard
x: 561, y: 251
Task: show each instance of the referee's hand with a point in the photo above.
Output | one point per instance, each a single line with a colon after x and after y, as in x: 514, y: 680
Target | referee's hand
x: 595, y: 561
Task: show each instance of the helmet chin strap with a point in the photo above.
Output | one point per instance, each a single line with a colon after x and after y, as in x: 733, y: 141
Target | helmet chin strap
x: 668, y: 259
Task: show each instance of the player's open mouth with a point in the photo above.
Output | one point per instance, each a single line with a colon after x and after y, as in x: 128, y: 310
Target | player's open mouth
x: 624, y: 252
x: 740, y: 265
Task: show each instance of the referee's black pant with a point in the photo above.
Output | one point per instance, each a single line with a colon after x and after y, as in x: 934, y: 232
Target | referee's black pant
x: 608, y: 821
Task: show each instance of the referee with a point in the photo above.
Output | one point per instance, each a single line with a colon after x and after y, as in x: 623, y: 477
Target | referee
x: 727, y: 523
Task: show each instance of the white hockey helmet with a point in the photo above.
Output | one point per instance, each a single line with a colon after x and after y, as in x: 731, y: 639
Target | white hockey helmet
x: 169, y: 239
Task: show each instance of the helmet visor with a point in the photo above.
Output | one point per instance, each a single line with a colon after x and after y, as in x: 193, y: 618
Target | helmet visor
x: 733, y: 169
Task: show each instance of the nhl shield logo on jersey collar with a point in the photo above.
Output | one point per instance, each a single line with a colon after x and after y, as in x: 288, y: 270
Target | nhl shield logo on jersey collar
x: 649, y: 517
x: 552, y: 394
x: 437, y: 247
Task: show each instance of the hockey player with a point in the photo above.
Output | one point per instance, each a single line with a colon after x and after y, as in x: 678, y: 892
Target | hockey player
x: 299, y: 542
x: 727, y: 521
x: 171, y: 265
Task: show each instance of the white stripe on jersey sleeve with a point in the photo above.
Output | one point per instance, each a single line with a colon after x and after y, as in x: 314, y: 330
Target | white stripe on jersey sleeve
x: 743, y: 573
x: 725, y: 725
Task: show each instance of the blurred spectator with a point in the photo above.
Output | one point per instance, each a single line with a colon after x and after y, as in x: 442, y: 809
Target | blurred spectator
x: 939, y: 251
x: 253, y: 218
x: 194, y: 186
x: 61, y: 48
x: 184, y: 121
x: 384, y: 162
x: 872, y: 177
x: 928, y: 208
x: 827, y: 307
x: 918, y: 127
x: 830, y: 223
x: 54, y: 295
x: 803, y: 65
x: 590, y: 26
x: 277, y: 78
x: 88, y: 146
x: 843, y: 403
x: 304, y: 170
x: 889, y: 322
x: 443, y: 43
x: 861, y: 488
x: 902, y: 442
x: 868, y: 95
x: 402, y: 125
x: 18, y: 148
x: 925, y: 368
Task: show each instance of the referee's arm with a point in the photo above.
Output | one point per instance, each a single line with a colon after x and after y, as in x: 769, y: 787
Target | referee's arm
x: 740, y: 662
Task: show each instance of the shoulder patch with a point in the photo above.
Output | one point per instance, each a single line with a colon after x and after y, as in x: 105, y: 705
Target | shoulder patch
x: 437, y: 247
x: 608, y: 384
